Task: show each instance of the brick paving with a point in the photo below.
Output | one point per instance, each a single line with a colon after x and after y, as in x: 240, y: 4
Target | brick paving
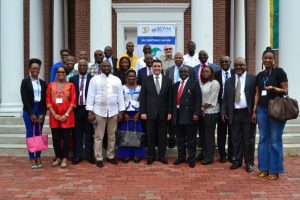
x: 140, y: 181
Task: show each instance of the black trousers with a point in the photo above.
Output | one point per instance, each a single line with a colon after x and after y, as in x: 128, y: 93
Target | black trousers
x: 83, y: 132
x: 222, y: 131
x: 209, y: 125
x: 201, y: 134
x: 186, y: 141
x: 156, y: 129
x: 243, y: 137
x: 58, y: 135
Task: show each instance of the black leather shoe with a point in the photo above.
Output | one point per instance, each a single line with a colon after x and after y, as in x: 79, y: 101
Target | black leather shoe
x: 235, y: 166
x: 163, y: 161
x: 136, y: 160
x: 99, y: 163
x: 75, y: 161
x: 112, y: 161
x: 223, y: 159
x: 249, y: 168
x: 206, y: 162
x: 199, y: 157
x: 192, y: 164
x: 150, y: 161
x: 171, y: 142
x: 91, y: 160
x: 178, y: 161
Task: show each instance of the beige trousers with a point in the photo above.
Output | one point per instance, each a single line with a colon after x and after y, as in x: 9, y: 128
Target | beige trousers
x: 111, y: 123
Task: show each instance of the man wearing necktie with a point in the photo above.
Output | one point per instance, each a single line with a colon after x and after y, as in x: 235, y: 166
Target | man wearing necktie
x: 237, y: 108
x: 173, y: 74
x: 186, y: 106
x: 223, y: 128
x: 83, y: 129
x: 155, y: 108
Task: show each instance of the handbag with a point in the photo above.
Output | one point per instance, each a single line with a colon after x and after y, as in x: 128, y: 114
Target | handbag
x: 129, y: 138
x: 283, y: 108
x: 37, y: 143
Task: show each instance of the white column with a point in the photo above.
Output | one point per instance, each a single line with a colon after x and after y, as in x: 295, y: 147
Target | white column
x: 12, y: 56
x: 36, y: 32
x: 232, y: 25
x: 202, y: 26
x: 101, y: 22
x: 289, y: 40
x: 239, y: 29
x: 58, y: 29
x: 262, y: 31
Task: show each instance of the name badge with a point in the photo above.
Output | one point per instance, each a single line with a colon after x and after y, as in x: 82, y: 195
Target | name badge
x: 59, y: 100
x: 263, y: 92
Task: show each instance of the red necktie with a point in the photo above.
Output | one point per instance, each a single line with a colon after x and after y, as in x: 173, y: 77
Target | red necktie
x: 179, y: 93
x: 81, y: 91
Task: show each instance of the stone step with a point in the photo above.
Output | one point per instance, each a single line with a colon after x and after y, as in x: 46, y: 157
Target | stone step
x: 11, y: 129
x: 19, y: 121
x: 20, y: 150
x: 19, y: 138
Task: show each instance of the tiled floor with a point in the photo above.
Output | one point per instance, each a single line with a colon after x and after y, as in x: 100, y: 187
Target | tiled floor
x: 140, y: 181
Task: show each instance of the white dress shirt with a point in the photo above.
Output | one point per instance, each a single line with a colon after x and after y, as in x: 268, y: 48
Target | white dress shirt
x: 84, y: 85
x: 159, y: 79
x: 243, y: 102
x: 191, y: 60
x: 224, y: 79
x: 140, y: 64
x: 105, y: 95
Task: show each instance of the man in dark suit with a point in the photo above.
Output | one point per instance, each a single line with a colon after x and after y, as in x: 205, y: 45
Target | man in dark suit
x: 145, y: 71
x: 82, y: 126
x: 223, y: 128
x: 186, y: 106
x: 173, y: 74
x: 155, y: 108
x: 108, y: 56
x: 237, y: 108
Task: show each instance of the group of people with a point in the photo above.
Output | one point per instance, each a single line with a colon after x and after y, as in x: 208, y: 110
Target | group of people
x: 181, y: 95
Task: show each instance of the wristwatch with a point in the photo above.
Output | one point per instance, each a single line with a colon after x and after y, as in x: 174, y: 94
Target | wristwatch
x: 67, y: 114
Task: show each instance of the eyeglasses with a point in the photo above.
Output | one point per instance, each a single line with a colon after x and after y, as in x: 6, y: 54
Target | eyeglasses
x: 241, y: 65
x: 168, y: 49
x: 60, y: 72
x: 64, y: 55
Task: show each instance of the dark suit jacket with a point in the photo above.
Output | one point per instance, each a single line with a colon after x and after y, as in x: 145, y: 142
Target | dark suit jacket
x: 170, y: 72
x: 28, y: 96
x: 154, y: 104
x: 197, y: 67
x: 218, y: 77
x: 114, y: 61
x: 190, y: 102
x: 229, y: 95
x: 75, y: 81
x: 142, y: 74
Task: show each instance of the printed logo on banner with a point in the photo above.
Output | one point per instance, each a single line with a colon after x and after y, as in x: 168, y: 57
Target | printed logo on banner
x: 157, y: 36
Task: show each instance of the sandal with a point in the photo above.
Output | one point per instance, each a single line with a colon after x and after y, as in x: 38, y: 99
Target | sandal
x: 136, y: 160
x: 64, y: 163
x: 273, y: 176
x: 262, y: 174
x: 56, y: 162
x: 125, y: 160
x: 34, y: 167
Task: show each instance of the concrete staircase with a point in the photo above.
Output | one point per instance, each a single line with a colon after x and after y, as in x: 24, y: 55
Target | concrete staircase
x: 12, y: 138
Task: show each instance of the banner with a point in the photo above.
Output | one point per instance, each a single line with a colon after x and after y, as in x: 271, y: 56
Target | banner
x: 157, y: 36
x: 274, y: 21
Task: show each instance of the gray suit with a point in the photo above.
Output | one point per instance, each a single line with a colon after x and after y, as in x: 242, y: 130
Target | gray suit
x: 242, y: 128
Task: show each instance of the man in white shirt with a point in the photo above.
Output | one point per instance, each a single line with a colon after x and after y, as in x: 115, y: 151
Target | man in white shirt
x: 82, y: 55
x: 191, y: 58
x: 105, y: 103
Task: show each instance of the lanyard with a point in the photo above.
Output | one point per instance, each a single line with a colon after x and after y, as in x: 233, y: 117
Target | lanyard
x: 266, y: 78
x: 59, y: 89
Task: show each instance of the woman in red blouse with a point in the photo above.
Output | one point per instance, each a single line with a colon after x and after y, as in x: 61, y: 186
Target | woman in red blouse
x: 61, y: 99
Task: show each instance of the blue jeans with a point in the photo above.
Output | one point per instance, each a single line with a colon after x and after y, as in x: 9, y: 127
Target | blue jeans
x: 270, y: 147
x: 29, y: 127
